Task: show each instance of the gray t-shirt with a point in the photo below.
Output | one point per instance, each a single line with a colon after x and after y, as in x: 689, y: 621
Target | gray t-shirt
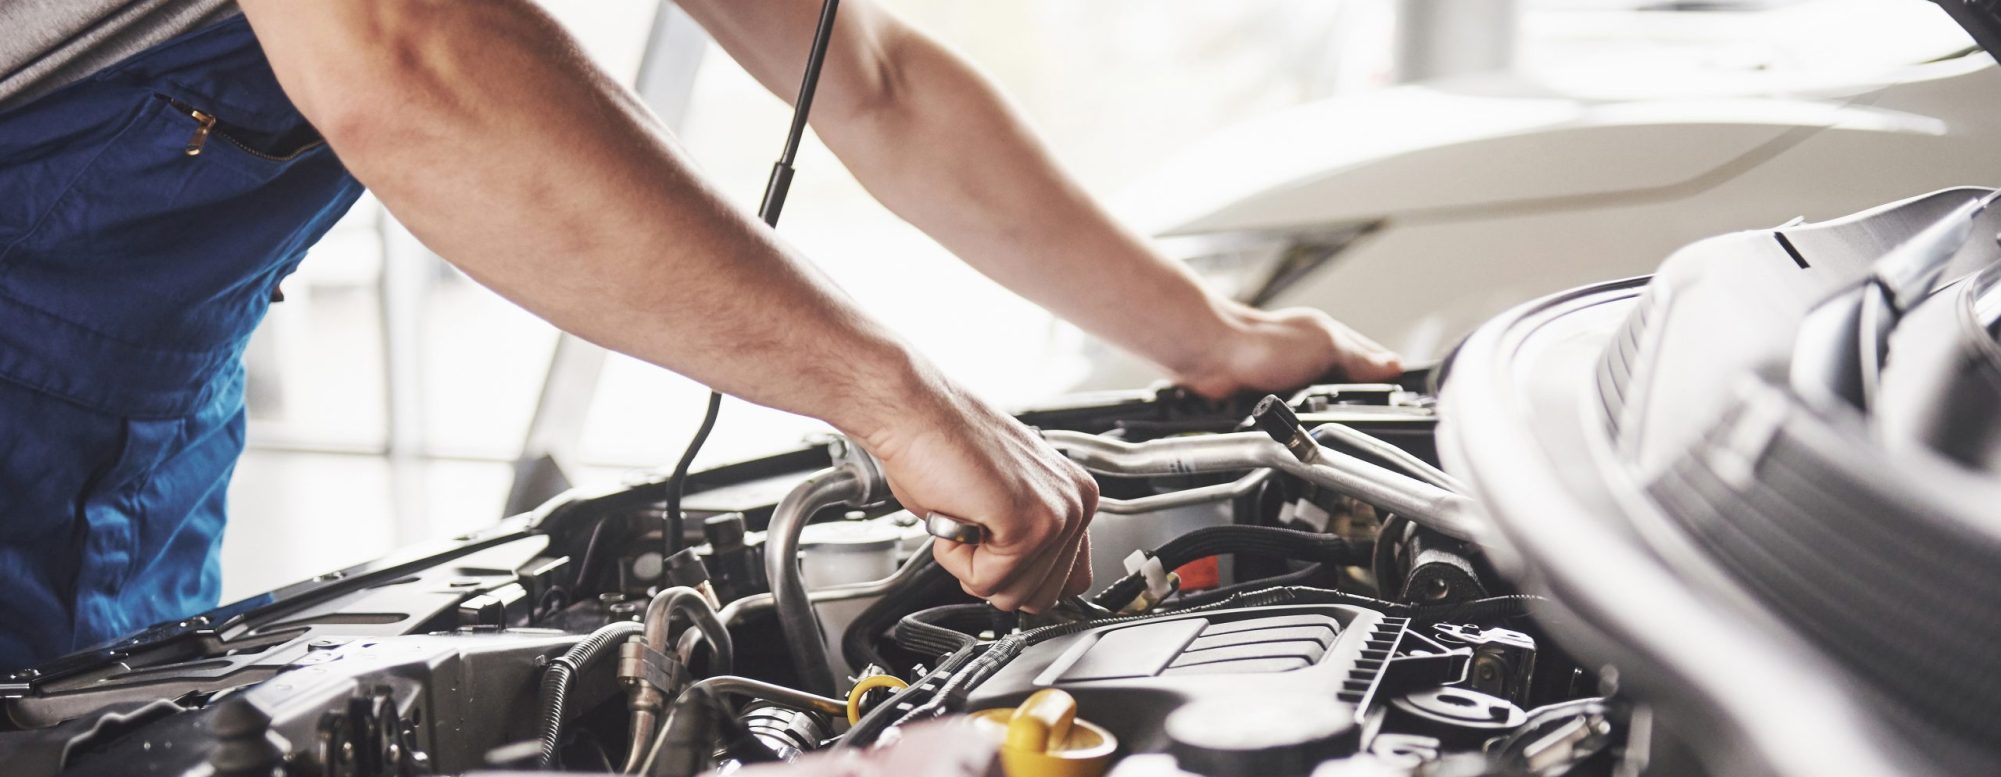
x: 45, y: 44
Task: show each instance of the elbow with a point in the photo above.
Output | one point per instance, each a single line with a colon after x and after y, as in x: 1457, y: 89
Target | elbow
x: 878, y: 90
x: 386, y: 67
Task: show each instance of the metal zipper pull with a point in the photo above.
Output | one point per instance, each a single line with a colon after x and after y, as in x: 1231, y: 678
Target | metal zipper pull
x: 200, y: 138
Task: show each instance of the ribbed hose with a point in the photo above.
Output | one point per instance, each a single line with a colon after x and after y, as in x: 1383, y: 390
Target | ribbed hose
x: 858, y: 642
x: 1255, y: 540
x: 941, y: 630
x: 553, y: 703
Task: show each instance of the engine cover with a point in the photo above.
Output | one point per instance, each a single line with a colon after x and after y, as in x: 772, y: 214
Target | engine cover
x: 1128, y: 677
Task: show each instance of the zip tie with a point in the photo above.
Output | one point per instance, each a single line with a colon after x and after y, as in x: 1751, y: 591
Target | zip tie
x: 1159, y: 582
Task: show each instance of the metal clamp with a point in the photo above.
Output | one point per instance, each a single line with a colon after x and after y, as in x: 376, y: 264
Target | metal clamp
x: 639, y: 665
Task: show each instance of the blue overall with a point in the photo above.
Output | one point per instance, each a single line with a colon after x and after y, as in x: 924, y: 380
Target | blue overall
x: 137, y: 253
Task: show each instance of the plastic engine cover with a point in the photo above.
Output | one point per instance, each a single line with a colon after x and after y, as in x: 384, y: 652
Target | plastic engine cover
x: 1129, y: 677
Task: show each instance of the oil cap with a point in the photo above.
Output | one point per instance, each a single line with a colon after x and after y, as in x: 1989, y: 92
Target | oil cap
x: 1043, y: 737
x: 1261, y: 736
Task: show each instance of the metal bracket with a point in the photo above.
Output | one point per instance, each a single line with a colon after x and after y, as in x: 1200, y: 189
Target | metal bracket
x: 639, y: 665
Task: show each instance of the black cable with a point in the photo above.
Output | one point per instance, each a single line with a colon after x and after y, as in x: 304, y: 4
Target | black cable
x: 775, y: 190
x: 590, y: 553
x: 678, y: 482
x: 553, y: 701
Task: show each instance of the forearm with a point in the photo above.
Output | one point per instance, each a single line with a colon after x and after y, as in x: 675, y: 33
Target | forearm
x: 947, y: 153
x: 483, y: 128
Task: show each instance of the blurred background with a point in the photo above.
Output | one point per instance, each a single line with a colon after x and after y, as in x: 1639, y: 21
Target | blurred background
x: 392, y: 398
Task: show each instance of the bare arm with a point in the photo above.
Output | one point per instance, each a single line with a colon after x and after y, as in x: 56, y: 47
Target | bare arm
x: 484, y: 129
x: 935, y: 142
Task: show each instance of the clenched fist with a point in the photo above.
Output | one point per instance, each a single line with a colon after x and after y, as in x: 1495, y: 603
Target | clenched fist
x: 954, y: 454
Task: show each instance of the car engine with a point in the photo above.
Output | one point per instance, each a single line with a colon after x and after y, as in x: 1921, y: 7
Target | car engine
x: 1303, y: 563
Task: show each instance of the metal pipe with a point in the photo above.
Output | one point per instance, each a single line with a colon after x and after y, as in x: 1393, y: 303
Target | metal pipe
x: 1376, y: 446
x: 647, y: 700
x: 708, y: 692
x: 1219, y: 492
x: 684, y: 599
x: 779, y: 694
x: 640, y: 733
x: 1428, y: 505
x: 827, y: 488
x: 758, y: 603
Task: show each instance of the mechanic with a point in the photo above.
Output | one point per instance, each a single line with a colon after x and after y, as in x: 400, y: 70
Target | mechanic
x: 165, y: 163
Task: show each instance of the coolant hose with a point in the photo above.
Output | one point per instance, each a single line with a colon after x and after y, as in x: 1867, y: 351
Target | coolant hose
x: 553, y: 702
x: 801, y: 626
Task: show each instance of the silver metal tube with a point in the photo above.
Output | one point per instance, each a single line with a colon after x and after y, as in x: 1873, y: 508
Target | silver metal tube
x: 756, y: 603
x: 1185, y: 498
x: 646, y: 700
x: 1169, y: 456
x: 1376, y: 446
x: 642, y: 727
x: 758, y: 689
x: 1428, y: 505
x: 826, y: 488
x: 660, y: 611
x: 686, y: 704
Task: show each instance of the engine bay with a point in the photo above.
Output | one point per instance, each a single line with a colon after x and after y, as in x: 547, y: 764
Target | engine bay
x: 1248, y: 564
x: 1697, y: 523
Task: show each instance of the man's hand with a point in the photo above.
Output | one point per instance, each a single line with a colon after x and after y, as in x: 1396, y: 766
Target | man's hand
x: 955, y: 455
x: 1284, y: 349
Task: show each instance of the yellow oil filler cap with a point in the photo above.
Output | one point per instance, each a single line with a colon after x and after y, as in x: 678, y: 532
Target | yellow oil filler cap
x: 1044, y: 738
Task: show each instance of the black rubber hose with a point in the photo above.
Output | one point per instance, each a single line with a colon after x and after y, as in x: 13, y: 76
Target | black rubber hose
x: 941, y: 630
x: 1257, y: 540
x: 553, y: 703
x: 858, y: 642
